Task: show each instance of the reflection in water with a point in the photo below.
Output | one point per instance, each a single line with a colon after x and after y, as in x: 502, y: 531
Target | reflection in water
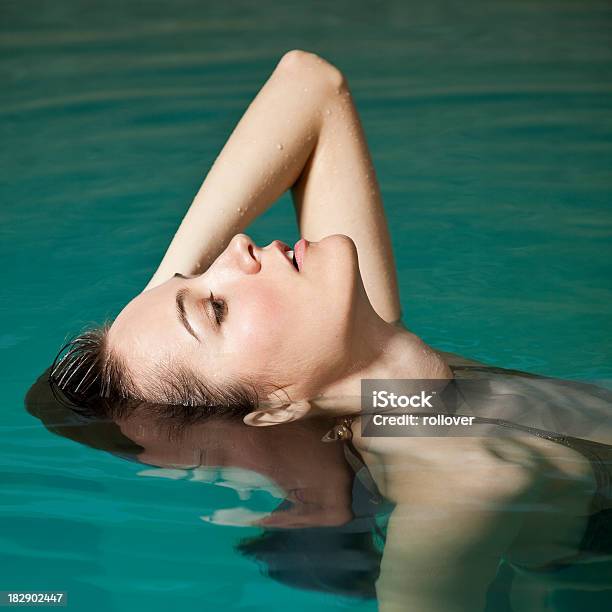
x: 323, y: 530
x: 243, y: 482
x: 509, y: 518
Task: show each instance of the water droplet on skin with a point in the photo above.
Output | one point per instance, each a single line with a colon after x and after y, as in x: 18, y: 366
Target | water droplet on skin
x: 239, y: 209
x: 279, y: 146
x: 328, y: 112
x: 305, y: 89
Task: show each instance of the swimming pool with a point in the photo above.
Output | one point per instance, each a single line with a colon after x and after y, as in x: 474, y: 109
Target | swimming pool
x: 490, y: 125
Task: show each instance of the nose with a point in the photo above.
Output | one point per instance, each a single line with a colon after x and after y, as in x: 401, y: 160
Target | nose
x: 243, y: 252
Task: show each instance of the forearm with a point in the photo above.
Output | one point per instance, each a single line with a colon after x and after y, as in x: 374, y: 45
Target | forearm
x: 263, y: 157
x: 339, y: 194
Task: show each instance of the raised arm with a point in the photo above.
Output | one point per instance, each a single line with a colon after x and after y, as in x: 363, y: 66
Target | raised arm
x: 301, y: 131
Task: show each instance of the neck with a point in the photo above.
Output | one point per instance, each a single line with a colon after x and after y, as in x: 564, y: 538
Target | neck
x: 381, y: 350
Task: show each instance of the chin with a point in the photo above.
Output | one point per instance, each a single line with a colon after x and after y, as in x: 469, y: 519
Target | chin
x: 342, y: 247
x: 348, y: 285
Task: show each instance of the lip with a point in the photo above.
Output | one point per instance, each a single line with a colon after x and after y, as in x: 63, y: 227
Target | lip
x: 283, y: 248
x: 299, y: 251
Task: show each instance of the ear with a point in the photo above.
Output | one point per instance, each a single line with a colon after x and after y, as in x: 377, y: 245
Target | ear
x: 278, y: 415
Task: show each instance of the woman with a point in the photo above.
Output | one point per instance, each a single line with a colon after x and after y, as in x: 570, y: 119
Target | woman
x: 222, y: 324
x: 273, y: 334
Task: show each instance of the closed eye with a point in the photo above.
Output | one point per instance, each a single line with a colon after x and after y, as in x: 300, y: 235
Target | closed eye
x: 218, y: 305
x: 219, y: 308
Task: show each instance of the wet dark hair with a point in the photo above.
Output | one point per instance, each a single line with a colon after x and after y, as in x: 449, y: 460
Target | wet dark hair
x: 62, y: 419
x: 96, y: 426
x: 96, y: 381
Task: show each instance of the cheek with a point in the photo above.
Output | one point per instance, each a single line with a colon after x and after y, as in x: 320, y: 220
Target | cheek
x: 261, y: 320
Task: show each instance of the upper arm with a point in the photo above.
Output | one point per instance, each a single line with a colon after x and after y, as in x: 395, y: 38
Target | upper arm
x: 443, y: 548
x: 438, y: 559
x: 450, y: 527
x: 338, y: 192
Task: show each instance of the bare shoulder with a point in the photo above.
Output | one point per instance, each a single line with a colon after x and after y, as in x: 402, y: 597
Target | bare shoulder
x: 446, y: 470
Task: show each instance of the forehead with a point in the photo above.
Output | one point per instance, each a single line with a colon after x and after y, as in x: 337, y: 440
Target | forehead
x: 147, y: 329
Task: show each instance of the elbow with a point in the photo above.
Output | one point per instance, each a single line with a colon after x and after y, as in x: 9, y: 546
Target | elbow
x: 311, y: 69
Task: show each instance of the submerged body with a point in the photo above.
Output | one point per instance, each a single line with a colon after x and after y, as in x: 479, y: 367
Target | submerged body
x: 514, y: 496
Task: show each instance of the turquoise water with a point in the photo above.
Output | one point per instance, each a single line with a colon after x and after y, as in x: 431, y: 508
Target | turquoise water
x: 490, y: 125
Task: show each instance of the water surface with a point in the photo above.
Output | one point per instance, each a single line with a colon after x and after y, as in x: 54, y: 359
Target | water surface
x: 490, y: 125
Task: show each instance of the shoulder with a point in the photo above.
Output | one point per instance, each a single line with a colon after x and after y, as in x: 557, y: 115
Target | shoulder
x: 444, y: 470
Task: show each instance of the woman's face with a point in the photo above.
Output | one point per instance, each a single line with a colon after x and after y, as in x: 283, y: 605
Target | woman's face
x: 266, y: 321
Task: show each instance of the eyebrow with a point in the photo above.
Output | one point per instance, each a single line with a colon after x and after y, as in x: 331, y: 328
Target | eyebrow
x: 181, y: 312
